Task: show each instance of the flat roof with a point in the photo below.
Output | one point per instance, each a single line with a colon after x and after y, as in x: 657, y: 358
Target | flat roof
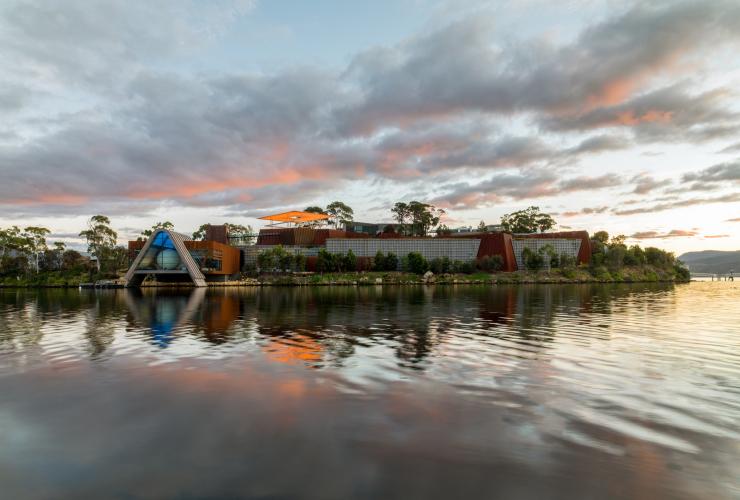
x: 296, y: 217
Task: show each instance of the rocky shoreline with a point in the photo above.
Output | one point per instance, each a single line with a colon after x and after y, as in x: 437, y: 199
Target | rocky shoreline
x: 577, y: 276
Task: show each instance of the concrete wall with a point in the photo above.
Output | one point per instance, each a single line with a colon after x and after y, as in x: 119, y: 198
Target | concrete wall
x: 431, y: 248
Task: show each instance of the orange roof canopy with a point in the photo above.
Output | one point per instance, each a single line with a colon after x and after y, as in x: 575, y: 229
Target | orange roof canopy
x: 295, y: 216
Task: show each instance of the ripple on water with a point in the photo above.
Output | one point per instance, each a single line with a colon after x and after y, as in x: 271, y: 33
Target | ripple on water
x: 611, y: 370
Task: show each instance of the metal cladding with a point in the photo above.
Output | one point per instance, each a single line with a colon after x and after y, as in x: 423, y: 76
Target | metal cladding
x: 301, y: 236
x: 218, y: 233
x: 493, y: 244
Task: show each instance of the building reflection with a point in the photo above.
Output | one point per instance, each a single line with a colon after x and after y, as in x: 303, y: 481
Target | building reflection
x: 317, y: 326
x: 163, y: 312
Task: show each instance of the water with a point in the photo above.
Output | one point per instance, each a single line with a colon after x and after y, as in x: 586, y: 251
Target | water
x: 590, y: 391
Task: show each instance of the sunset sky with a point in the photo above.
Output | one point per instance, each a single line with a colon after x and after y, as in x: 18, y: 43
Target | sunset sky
x: 608, y: 115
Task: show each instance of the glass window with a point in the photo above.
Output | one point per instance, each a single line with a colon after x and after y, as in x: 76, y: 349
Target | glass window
x: 161, y: 255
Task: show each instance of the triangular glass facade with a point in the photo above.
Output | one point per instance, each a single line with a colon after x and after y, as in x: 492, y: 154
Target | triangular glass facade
x: 161, y: 255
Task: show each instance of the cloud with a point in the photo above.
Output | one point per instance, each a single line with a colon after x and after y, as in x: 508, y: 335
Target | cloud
x: 661, y: 207
x: 737, y: 219
x: 460, y: 68
x: 717, y: 236
x: 733, y: 148
x: 518, y: 186
x: 674, y: 233
x: 668, y: 113
x: 645, y: 184
x: 723, y: 172
x: 586, y: 211
x: 98, y: 44
x: 435, y: 106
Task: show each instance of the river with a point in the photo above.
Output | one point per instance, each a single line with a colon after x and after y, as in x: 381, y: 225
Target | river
x: 531, y: 391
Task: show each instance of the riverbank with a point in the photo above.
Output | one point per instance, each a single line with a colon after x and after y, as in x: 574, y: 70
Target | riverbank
x: 641, y: 274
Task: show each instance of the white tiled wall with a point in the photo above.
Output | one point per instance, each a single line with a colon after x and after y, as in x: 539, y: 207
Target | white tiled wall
x: 561, y: 245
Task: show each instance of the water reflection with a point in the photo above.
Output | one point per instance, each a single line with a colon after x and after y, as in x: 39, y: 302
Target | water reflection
x: 314, y: 325
x: 409, y: 392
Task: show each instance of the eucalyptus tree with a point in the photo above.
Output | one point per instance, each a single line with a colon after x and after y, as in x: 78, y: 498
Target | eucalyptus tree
x: 339, y: 213
x: 101, y: 238
x: 529, y: 220
x: 35, y: 237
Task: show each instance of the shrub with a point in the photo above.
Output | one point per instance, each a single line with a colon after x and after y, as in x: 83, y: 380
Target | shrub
x: 549, y: 256
x: 462, y: 267
x: 391, y: 262
x: 299, y: 262
x: 417, y: 264
x: 349, y: 261
x: 569, y: 272
x: 491, y: 263
x: 601, y: 273
x: 285, y: 259
x: 379, y: 261
x: 659, y: 258
x: 265, y: 260
x: 324, y: 261
x: 440, y: 265
x: 567, y: 261
x: 682, y: 272
x: 533, y: 261
x: 615, y: 257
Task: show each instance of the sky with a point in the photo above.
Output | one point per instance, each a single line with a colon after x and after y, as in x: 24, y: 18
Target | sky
x: 609, y: 115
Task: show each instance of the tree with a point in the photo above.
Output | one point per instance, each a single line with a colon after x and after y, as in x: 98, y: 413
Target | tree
x: 339, y: 213
x: 72, y: 260
x: 529, y: 220
x: 401, y: 214
x: 482, y: 228
x: 15, y: 250
x: 200, y: 233
x: 11, y: 239
x: 52, y: 258
x: 146, y: 233
x: 423, y: 217
x: 315, y: 210
x: 601, y: 236
x: 100, y: 237
x: 635, y: 256
x: 618, y: 240
x: 415, y: 217
x: 36, y: 242
x: 443, y: 230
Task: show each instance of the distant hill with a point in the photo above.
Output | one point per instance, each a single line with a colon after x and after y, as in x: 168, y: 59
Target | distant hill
x: 712, y: 261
